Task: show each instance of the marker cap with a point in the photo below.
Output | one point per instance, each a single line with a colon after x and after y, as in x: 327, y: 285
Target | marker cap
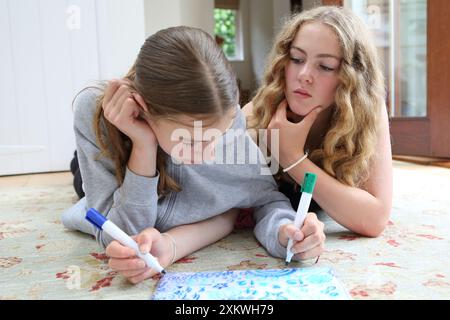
x: 96, y: 218
x: 309, y: 182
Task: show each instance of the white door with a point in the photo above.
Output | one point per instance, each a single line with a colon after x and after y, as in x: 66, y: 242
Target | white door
x: 48, y: 51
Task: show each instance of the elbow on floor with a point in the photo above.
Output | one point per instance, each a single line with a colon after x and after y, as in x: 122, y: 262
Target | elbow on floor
x: 375, y: 226
x: 374, y: 230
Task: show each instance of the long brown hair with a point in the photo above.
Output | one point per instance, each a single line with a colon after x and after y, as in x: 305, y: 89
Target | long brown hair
x: 178, y: 71
x: 349, y: 144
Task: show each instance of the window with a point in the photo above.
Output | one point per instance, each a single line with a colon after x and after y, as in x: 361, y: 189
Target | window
x: 227, y: 29
x: 400, y: 33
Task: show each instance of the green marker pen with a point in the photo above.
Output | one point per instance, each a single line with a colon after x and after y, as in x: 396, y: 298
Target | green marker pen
x: 307, y: 189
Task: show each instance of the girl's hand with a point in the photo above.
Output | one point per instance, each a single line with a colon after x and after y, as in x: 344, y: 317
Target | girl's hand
x: 292, y: 136
x: 122, y: 106
x: 309, y: 241
x: 124, y: 259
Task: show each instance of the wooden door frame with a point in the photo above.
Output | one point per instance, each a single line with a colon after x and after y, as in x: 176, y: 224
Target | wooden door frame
x: 430, y: 135
x: 333, y: 2
x: 438, y: 77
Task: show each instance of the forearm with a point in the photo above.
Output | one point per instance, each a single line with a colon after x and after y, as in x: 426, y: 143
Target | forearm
x: 269, y: 218
x: 142, y: 160
x: 137, y: 196
x: 354, y: 208
x: 192, y: 237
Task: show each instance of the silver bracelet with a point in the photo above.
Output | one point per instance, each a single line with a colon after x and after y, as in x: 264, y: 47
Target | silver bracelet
x: 296, y: 163
x: 174, y: 246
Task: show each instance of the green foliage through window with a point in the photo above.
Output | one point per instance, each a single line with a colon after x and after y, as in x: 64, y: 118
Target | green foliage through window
x: 225, y: 30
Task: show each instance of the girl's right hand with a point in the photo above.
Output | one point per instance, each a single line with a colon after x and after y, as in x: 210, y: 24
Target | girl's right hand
x: 124, y: 260
x: 122, y: 107
x: 309, y: 240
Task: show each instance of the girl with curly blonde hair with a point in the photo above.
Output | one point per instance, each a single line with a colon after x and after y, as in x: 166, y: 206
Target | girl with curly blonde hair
x: 323, y: 89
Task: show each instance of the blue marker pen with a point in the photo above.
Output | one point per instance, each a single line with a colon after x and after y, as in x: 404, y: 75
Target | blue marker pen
x: 100, y: 222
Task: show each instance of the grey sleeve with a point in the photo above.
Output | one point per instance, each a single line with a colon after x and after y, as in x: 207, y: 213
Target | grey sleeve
x: 131, y: 206
x: 272, y: 209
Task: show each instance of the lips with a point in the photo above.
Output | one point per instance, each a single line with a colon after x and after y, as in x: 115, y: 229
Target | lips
x: 302, y: 93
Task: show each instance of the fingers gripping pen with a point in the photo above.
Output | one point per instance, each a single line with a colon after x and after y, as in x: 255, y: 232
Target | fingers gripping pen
x: 100, y: 222
x: 307, y: 189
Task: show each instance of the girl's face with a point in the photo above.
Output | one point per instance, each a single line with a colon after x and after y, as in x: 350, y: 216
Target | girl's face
x: 191, y: 140
x: 312, y: 71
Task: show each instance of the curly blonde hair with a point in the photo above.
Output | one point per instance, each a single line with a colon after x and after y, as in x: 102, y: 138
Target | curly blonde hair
x: 349, y: 145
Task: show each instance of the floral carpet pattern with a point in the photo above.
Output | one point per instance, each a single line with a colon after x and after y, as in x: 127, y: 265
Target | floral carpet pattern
x: 39, y: 259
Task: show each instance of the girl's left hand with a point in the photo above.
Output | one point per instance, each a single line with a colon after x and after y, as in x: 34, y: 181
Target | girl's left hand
x: 292, y: 136
x: 309, y: 241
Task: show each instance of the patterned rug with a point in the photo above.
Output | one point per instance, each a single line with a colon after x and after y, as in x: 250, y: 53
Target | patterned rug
x: 39, y: 259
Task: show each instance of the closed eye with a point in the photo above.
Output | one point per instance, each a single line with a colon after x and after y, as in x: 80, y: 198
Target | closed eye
x: 325, y: 68
x: 297, y: 61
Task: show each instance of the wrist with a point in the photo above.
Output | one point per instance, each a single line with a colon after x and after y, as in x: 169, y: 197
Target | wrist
x: 143, y: 146
x: 142, y: 160
x: 296, y: 162
x: 171, y: 249
x: 292, y: 156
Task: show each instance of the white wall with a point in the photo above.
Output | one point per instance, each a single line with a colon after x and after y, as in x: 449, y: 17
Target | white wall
x: 49, y: 51
x: 161, y: 14
x: 121, y: 33
x: 198, y: 13
x: 262, y: 31
x: 243, y: 68
x: 281, y: 11
x: 261, y: 20
x: 44, y: 59
x: 309, y: 4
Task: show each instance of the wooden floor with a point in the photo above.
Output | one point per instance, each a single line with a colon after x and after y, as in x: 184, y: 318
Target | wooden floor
x: 40, y: 179
x: 64, y: 178
x: 427, y: 161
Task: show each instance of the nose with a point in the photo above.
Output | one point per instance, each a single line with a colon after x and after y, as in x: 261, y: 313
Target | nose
x: 305, y: 74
